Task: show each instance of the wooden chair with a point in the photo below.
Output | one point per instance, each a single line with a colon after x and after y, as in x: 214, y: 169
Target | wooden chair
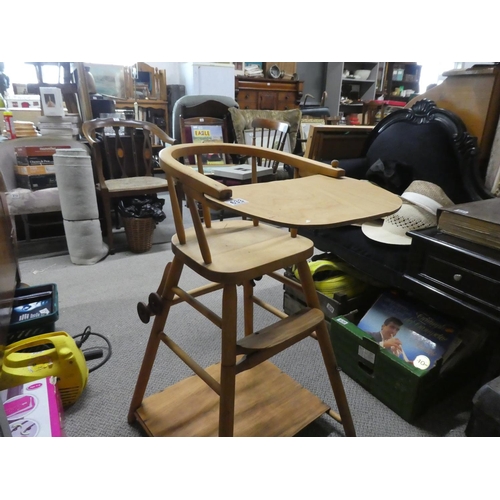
x: 268, y: 133
x: 122, y: 158
x: 244, y: 394
x: 370, y: 110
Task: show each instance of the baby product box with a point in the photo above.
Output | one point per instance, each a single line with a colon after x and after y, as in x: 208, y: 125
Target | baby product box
x: 33, y: 409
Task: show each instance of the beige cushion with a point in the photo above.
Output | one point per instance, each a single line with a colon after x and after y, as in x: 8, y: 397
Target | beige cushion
x: 242, y: 119
x: 133, y: 183
x: 24, y: 201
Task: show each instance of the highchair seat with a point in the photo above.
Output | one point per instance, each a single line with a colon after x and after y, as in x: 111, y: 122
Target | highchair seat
x: 242, y: 251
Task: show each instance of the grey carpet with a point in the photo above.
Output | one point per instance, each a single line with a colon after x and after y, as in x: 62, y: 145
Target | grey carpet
x: 104, y: 296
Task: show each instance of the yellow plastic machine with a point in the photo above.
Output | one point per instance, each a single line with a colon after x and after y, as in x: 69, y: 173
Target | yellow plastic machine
x: 50, y: 354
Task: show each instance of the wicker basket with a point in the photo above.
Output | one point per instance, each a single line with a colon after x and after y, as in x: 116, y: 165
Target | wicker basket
x: 139, y: 232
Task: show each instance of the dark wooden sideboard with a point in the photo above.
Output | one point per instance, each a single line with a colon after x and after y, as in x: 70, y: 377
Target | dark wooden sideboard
x: 458, y: 276
x: 267, y: 93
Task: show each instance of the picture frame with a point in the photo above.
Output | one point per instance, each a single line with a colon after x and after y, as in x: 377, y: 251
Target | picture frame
x: 109, y: 79
x: 205, y: 130
x: 305, y: 126
x: 51, y: 101
x: 239, y: 68
x: 20, y: 88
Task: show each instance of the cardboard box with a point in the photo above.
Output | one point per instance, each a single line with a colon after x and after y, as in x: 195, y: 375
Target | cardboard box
x: 35, y: 169
x: 36, y: 155
x: 24, y: 101
x: 33, y: 409
x: 406, y: 390
x: 36, y: 182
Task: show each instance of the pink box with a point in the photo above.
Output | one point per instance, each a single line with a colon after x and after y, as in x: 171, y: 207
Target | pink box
x: 33, y: 409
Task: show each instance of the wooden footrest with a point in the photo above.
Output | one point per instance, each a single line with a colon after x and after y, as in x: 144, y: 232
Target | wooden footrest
x: 295, y: 327
x: 268, y: 403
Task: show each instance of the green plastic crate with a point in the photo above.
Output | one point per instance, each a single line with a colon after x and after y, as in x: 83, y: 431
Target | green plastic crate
x: 35, y: 320
x: 406, y: 390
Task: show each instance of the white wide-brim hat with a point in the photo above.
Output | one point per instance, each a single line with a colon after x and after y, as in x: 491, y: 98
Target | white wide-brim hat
x: 426, y: 195
x: 418, y: 211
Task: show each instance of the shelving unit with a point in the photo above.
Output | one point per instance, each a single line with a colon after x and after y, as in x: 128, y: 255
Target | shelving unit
x: 339, y: 85
x: 402, y: 74
x: 149, y: 91
x: 149, y: 110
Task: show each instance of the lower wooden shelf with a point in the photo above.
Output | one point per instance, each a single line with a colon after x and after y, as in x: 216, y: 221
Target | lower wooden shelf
x: 268, y: 403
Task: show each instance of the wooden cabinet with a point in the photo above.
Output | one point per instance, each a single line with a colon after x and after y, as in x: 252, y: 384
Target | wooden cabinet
x: 265, y: 93
x: 352, y: 81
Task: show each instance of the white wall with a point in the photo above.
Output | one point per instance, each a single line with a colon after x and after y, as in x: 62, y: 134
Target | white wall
x: 172, y: 70
x: 432, y: 72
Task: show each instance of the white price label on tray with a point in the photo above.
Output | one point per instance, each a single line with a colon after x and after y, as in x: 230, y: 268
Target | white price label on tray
x: 236, y: 201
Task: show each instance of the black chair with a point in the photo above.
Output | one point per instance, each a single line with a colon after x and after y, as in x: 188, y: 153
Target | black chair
x: 423, y: 142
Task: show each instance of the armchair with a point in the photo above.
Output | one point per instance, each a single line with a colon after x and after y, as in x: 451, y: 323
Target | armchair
x: 24, y: 202
x: 425, y: 143
x: 192, y: 106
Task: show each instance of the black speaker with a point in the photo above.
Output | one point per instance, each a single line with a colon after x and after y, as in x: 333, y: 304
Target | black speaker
x: 174, y: 93
x: 102, y: 106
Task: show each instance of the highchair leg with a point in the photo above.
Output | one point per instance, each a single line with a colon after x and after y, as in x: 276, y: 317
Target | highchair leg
x: 248, y: 308
x: 170, y: 279
x: 228, y: 361
x: 327, y: 352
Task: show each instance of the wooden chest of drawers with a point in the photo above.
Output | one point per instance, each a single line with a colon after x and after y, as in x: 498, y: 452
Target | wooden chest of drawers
x: 265, y: 93
x: 456, y: 272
